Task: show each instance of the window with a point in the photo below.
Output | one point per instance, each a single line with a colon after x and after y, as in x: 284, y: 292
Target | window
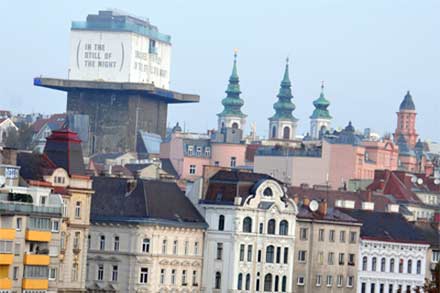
x: 184, y: 283
x: 36, y: 272
x: 78, y: 210
x: 76, y: 240
x: 401, y: 266
x: 216, y: 163
x: 284, y: 284
x: 330, y: 258
x: 392, y: 265
x: 435, y: 256
x: 65, y: 208
x: 300, y: 281
x: 301, y: 256
x: 321, y: 257
x: 190, y: 150
x: 52, y: 273
x: 249, y: 253
x: 260, y: 229
x: 6, y: 246
x: 331, y: 236
x: 382, y: 264
x: 207, y: 151
x: 268, y: 192
x: 303, y: 233
x: 100, y: 272
x: 271, y: 227
x: 175, y: 246
x: 241, y: 252
x: 102, y: 243
x: 40, y: 224
x: 286, y: 255
x: 419, y: 267
x: 247, y: 225
x: 152, y: 48
x: 221, y: 223
x: 173, y: 276
x: 162, y: 276
x: 146, y: 245
x: 284, y: 227
x: 278, y: 256
x: 219, y: 250
x: 199, y: 151
x: 116, y: 243
x: 350, y: 281
x: 268, y: 283
x: 192, y: 169
x: 247, y: 285
x: 321, y: 235
x: 372, y: 288
x: 277, y: 281
x: 186, y: 247
x: 240, y: 281
x: 351, y: 257
x: 381, y: 288
x: 18, y: 224
x: 196, y: 248
x: 218, y: 280
x: 89, y: 241
x: 269, y: 254
x: 286, y: 132
x: 143, y: 279
x: 329, y: 281
x: 164, y: 246
x: 342, y: 236
x: 15, y: 273
x: 339, y: 280
x: 55, y: 226
x: 390, y: 288
x: 373, y: 264
x: 409, y: 267
x: 194, y: 279
x: 17, y: 248
x: 63, y: 241
x: 341, y: 259
x: 233, y: 162
x: 318, y: 280
x: 115, y: 273
x: 259, y: 256
x: 353, y: 236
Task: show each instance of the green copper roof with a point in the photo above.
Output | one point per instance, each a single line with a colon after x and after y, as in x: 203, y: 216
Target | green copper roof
x: 284, y: 106
x: 233, y: 103
x: 321, y: 104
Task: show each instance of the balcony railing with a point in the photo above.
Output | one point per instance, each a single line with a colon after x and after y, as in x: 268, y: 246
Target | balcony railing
x: 13, y: 207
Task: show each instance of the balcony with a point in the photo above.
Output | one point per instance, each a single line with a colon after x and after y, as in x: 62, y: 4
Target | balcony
x: 35, y: 284
x: 36, y: 259
x: 6, y: 258
x: 7, y: 234
x: 5, y: 284
x: 12, y: 207
x: 38, y: 235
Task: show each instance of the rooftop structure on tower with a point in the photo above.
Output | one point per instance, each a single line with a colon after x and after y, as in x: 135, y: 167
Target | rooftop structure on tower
x: 119, y: 77
x: 320, y: 119
x: 406, y: 121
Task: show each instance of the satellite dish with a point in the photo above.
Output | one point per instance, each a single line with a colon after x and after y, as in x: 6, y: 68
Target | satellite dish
x: 436, y: 181
x: 419, y: 181
x: 313, y: 205
x: 413, y: 179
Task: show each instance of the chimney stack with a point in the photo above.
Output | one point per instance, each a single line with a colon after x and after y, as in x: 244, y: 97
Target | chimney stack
x: 323, y: 207
x: 9, y: 156
x: 306, y: 201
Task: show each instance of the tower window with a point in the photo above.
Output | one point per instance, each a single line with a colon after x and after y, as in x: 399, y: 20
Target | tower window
x: 286, y: 132
x: 274, y: 132
x: 235, y: 125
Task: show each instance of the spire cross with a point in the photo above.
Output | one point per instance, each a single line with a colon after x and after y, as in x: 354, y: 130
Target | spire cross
x: 322, y: 85
x: 235, y: 53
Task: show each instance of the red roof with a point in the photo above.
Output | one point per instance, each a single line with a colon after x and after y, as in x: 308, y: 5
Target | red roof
x: 55, y: 118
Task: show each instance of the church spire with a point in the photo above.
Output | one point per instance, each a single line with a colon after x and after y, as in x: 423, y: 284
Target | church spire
x: 233, y: 103
x: 284, y: 106
x: 321, y: 104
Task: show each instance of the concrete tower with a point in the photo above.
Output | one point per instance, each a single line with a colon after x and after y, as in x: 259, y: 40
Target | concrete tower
x: 282, y: 125
x: 406, y: 121
x: 232, y: 117
x: 320, y: 119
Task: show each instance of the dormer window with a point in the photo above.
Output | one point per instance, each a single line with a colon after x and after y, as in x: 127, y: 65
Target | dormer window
x: 199, y: 151
x: 268, y: 192
x: 59, y: 180
x: 190, y: 150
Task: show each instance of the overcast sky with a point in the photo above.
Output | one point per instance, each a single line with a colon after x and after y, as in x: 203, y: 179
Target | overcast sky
x: 369, y: 54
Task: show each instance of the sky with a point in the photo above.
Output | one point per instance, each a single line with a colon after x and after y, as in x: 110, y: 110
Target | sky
x: 369, y: 53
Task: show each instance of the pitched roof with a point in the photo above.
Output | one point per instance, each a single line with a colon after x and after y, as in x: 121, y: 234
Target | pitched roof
x: 102, y: 157
x: 383, y: 226
x: 148, y: 201
x: 430, y: 232
x: 332, y: 215
x: 168, y: 167
x: 34, y: 166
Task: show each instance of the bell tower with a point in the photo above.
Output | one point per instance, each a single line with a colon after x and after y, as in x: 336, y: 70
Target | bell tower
x: 406, y: 121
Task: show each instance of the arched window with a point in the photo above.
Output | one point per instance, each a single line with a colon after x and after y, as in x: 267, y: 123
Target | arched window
x: 240, y: 281
x: 419, y: 267
x: 277, y: 280
x: 392, y: 265
x: 247, y: 286
x: 247, y: 225
x: 373, y: 264
x: 274, y: 131
x: 271, y: 227
x: 268, y: 283
x: 409, y: 267
x: 284, y: 284
x: 364, y: 263
x: 268, y: 191
x: 146, y: 245
x: 382, y: 264
x: 221, y: 223
x: 218, y: 280
x: 270, y: 254
x: 102, y: 243
x: 257, y: 285
x: 286, y: 132
x: 235, y: 125
x: 401, y: 265
x: 260, y: 229
x: 284, y: 227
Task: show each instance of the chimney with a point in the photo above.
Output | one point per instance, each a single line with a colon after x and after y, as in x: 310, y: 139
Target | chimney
x: 9, y: 156
x: 368, y: 206
x: 237, y: 200
x: 306, y: 201
x: 381, y: 184
x: 392, y: 208
x: 323, y: 208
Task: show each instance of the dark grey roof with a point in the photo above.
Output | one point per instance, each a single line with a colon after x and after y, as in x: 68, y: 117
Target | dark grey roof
x: 100, y: 158
x: 384, y: 226
x: 346, y: 136
x: 133, y: 168
x: 168, y: 167
x: 147, y: 201
x: 407, y: 103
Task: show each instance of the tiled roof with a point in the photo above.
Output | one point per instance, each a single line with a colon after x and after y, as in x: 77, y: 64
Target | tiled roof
x: 34, y: 166
x: 333, y: 215
x: 431, y: 232
x: 148, y: 200
x: 168, y: 167
x: 386, y: 226
x: 101, y: 158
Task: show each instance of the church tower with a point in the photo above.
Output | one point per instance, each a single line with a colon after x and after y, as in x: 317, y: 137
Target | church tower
x: 406, y: 121
x: 282, y: 125
x: 320, y: 119
x: 232, y: 117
